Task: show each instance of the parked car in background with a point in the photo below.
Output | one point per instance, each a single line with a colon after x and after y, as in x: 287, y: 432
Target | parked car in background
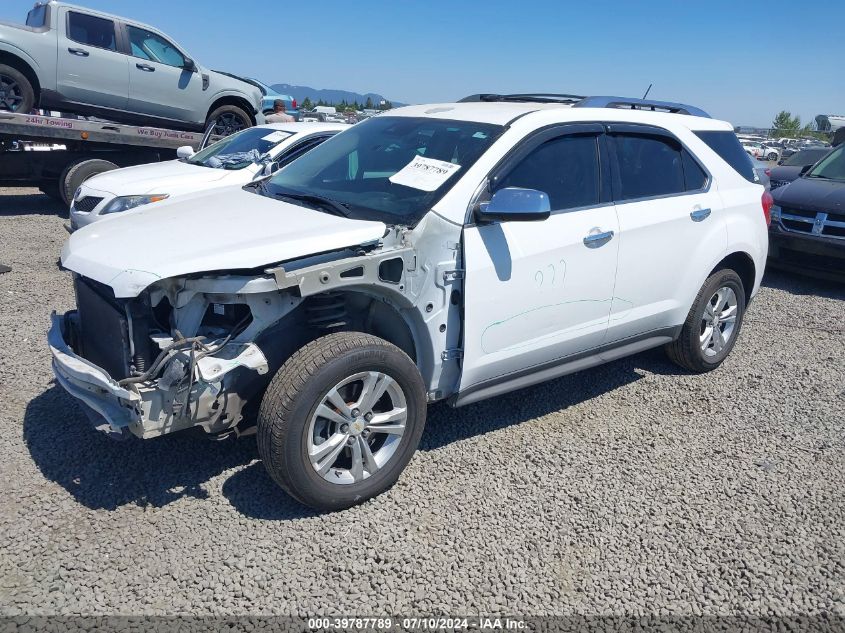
x: 454, y: 252
x: 771, y: 152
x: 788, y: 169
x: 762, y: 172
x: 271, y: 96
x: 807, y: 233
x: 234, y: 160
x: 78, y: 60
x: 761, y: 151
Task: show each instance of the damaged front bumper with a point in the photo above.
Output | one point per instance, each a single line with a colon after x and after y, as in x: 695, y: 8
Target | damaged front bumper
x: 159, y: 405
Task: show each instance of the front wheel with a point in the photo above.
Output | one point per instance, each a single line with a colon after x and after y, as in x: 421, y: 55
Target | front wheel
x: 16, y: 93
x: 772, y: 156
x: 341, y: 419
x: 712, y: 326
x: 227, y: 120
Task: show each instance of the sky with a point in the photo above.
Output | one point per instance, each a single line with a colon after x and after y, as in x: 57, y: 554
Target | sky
x: 741, y: 60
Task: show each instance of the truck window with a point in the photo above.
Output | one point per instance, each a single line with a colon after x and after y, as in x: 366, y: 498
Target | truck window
x: 91, y: 30
x: 148, y: 45
x: 37, y: 17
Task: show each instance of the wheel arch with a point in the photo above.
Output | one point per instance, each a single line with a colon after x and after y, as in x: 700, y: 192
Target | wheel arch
x: 743, y: 264
x: 20, y: 64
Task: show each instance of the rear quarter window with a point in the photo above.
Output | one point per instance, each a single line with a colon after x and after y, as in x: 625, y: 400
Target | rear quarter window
x: 727, y: 145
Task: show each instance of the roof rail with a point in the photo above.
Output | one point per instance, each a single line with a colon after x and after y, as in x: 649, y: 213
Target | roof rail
x: 538, y: 97
x: 640, y: 104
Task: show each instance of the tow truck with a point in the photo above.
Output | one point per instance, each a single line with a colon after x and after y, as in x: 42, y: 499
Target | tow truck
x: 76, y: 149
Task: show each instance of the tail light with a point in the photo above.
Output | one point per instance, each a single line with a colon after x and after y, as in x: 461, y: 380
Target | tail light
x: 293, y: 105
x: 768, y: 201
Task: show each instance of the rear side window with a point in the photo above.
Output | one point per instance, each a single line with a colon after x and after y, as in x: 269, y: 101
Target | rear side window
x: 90, y: 30
x: 727, y: 145
x: 37, y: 17
x: 649, y: 166
x: 566, y: 168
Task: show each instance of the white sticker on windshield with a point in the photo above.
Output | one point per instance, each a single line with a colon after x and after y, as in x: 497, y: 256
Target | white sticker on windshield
x: 426, y: 174
x: 275, y: 137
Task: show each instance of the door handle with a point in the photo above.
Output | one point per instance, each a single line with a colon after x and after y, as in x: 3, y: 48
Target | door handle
x: 145, y: 67
x: 700, y: 214
x: 594, y: 240
x: 79, y: 52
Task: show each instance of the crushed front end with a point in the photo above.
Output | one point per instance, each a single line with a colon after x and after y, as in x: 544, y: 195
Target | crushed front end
x: 140, y: 366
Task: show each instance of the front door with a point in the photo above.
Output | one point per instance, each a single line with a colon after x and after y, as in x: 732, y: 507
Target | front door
x: 90, y: 68
x: 159, y: 84
x: 537, y: 292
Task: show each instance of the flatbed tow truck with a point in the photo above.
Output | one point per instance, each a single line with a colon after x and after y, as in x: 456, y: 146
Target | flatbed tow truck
x: 76, y: 149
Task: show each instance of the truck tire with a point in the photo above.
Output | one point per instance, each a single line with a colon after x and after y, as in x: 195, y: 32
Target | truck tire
x: 228, y: 119
x: 77, y: 173
x: 713, y: 324
x: 360, y: 398
x: 16, y: 92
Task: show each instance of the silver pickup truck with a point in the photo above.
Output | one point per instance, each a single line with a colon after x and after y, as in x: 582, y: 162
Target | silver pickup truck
x: 77, y: 60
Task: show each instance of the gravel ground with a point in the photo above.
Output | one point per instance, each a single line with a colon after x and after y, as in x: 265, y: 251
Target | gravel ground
x: 627, y: 489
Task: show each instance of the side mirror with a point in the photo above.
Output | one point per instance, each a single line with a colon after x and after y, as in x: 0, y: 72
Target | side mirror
x: 514, y: 204
x: 190, y: 65
x: 805, y: 169
x: 186, y: 151
x: 267, y: 170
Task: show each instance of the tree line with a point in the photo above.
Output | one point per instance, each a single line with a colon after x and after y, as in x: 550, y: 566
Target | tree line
x: 785, y: 125
x: 345, y: 106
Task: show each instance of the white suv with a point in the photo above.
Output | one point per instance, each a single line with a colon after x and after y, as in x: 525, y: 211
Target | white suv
x: 439, y: 252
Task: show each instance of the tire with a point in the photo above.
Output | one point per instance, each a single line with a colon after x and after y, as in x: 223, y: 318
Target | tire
x: 288, y: 422
x: 229, y: 119
x: 17, y: 91
x: 772, y: 156
x: 688, y: 350
x: 77, y: 173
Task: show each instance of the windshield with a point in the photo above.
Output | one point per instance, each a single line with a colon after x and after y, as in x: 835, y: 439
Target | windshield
x: 239, y: 150
x: 832, y: 167
x: 391, y: 169
x: 804, y: 157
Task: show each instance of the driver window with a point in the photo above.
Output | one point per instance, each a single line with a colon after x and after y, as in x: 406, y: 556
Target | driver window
x: 152, y: 47
x: 566, y: 168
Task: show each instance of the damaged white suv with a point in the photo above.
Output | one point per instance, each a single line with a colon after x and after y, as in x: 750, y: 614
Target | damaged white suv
x: 454, y: 251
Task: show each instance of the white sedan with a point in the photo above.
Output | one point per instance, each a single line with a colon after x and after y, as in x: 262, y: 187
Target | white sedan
x: 235, y: 160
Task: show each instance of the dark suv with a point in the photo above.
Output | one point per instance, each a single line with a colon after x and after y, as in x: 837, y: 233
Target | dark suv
x: 807, y: 233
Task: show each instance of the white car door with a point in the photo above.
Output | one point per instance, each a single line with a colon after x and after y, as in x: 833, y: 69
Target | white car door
x: 538, y: 292
x: 159, y: 83
x: 672, y: 230
x: 90, y: 68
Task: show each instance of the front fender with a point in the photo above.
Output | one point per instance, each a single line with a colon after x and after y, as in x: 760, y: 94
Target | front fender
x: 41, y: 72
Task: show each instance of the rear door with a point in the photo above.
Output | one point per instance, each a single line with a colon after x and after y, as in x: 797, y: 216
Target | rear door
x: 537, y: 292
x: 159, y: 83
x: 672, y: 229
x: 90, y: 69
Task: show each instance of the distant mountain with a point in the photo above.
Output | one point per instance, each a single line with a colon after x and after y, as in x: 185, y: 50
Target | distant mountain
x: 329, y: 96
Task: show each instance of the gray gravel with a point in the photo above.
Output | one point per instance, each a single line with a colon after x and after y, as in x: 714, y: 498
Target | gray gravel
x: 628, y: 489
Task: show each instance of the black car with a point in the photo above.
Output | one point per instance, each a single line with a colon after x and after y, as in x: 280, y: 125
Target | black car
x: 789, y: 169
x: 807, y: 233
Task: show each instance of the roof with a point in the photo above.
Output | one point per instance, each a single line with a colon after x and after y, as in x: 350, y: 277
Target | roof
x: 504, y: 112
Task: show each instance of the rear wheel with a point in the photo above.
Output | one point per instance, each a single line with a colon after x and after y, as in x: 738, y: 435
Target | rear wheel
x: 772, y: 156
x: 341, y: 420
x: 16, y: 93
x: 77, y: 173
x: 712, y: 326
x: 227, y: 120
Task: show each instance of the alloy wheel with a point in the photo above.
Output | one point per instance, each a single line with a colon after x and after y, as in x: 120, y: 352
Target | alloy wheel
x: 718, y: 321
x: 228, y: 123
x: 357, y: 427
x: 11, y: 95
